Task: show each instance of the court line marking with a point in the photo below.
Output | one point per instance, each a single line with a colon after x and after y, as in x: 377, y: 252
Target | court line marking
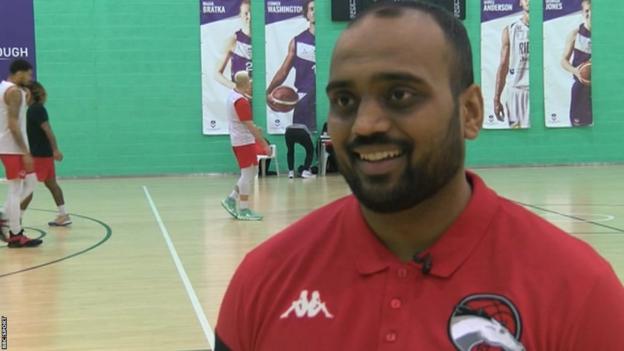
x: 571, y: 217
x: 199, y: 312
x: 585, y: 217
x: 107, y: 235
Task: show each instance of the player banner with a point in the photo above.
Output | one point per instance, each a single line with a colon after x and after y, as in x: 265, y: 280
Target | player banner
x: 225, y: 50
x: 17, y: 33
x: 567, y: 63
x: 290, y: 64
x: 505, y: 63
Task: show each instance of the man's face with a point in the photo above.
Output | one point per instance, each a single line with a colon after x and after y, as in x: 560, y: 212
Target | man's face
x: 245, y: 14
x: 249, y: 88
x: 393, y: 118
x: 310, y: 15
x: 586, y: 12
x: 23, y: 78
x: 525, y: 5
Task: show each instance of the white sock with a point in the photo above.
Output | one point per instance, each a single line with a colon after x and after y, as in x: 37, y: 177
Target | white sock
x: 243, y: 205
x: 13, y: 211
x: 29, y: 184
x: 62, y: 211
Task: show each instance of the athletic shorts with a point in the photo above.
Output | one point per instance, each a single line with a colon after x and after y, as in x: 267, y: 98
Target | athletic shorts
x: 13, y: 166
x: 44, y: 168
x: 517, y: 106
x: 246, y: 155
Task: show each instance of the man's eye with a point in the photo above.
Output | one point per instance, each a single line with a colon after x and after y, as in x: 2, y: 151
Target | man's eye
x: 343, y: 101
x: 400, y: 95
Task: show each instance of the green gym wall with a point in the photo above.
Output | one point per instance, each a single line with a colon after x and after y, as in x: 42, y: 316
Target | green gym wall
x: 123, y: 79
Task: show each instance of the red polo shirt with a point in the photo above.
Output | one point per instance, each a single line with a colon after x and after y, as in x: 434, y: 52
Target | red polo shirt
x: 500, y: 278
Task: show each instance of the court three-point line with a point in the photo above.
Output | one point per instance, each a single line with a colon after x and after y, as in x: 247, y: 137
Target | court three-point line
x: 199, y: 312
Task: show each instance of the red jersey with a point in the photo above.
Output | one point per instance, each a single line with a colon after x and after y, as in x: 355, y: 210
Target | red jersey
x: 500, y: 278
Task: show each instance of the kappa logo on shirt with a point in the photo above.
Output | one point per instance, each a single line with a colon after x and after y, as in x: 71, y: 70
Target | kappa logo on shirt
x: 311, y: 308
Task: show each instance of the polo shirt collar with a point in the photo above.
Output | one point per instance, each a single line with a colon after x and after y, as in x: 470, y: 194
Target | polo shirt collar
x: 447, y: 254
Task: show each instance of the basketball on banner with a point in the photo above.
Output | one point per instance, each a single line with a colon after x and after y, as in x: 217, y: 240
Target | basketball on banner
x: 284, y: 99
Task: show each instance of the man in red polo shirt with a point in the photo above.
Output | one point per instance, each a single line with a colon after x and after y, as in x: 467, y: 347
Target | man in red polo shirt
x: 424, y: 256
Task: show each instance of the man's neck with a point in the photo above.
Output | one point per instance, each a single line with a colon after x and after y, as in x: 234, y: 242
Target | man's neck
x: 413, y: 230
x: 525, y: 18
x: 312, y: 28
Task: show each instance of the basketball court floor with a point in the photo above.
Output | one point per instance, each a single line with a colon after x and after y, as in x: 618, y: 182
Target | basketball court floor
x: 147, y: 260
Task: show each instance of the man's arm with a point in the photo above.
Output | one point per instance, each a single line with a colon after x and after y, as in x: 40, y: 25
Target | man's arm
x: 13, y: 99
x: 235, y: 323
x: 567, y: 54
x: 47, y: 129
x: 229, y: 47
x: 257, y: 133
x: 282, y: 72
x: 243, y: 110
x: 599, y: 322
x: 501, y: 75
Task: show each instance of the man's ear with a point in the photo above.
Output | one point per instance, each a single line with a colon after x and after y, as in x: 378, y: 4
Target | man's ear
x: 471, y: 111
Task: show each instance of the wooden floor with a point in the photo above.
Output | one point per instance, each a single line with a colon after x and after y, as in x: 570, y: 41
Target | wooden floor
x: 110, y: 282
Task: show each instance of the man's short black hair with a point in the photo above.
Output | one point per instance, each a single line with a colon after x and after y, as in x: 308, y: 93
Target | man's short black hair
x: 20, y: 66
x: 36, y: 91
x: 454, y: 31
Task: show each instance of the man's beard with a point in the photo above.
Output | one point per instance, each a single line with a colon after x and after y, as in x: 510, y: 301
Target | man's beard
x: 418, y: 182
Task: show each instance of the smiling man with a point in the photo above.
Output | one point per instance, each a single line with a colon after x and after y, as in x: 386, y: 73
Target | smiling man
x: 423, y: 256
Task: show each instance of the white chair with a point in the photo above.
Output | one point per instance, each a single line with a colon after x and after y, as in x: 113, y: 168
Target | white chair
x: 273, y: 156
x: 323, y: 156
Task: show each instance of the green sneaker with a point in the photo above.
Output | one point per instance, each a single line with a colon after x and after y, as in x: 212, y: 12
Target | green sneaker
x: 230, y: 205
x: 246, y: 214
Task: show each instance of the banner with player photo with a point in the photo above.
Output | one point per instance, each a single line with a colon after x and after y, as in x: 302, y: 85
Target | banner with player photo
x: 17, y: 33
x: 290, y: 64
x: 225, y: 50
x: 567, y: 63
x: 505, y: 63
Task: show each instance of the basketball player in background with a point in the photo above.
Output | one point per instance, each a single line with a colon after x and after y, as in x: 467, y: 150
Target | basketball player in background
x: 513, y: 72
x: 237, y: 50
x: 14, y: 151
x: 302, y: 57
x: 578, y: 47
x: 244, y: 136
x: 45, y: 151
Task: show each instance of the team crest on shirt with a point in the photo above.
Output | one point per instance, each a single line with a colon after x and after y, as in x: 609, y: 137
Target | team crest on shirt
x: 486, y: 322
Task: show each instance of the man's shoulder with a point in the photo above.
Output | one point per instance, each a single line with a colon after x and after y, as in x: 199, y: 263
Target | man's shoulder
x: 36, y: 106
x: 547, y: 244
x: 37, y: 110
